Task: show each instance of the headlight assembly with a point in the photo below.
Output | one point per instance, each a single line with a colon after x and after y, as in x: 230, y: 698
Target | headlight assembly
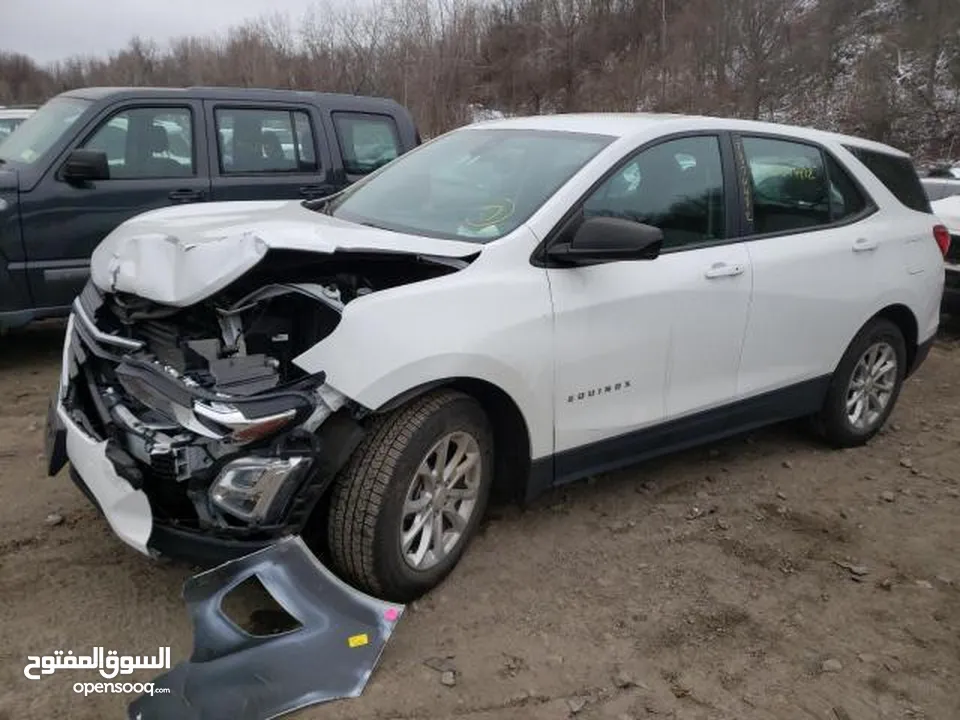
x: 255, y: 489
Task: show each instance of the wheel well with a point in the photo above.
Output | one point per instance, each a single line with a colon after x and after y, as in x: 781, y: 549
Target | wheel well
x: 511, y: 436
x: 902, y: 317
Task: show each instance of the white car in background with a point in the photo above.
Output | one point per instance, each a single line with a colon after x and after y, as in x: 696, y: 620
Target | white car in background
x: 516, y: 304
x: 11, y: 118
x: 948, y: 210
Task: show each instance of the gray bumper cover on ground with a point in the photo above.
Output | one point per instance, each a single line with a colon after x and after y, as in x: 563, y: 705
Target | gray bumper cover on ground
x: 237, y: 676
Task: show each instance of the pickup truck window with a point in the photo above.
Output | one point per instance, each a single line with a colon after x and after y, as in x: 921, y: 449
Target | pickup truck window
x: 265, y: 141
x: 42, y: 130
x: 146, y: 142
x: 367, y: 141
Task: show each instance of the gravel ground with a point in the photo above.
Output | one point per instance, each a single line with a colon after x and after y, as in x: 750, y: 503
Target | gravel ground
x: 761, y: 577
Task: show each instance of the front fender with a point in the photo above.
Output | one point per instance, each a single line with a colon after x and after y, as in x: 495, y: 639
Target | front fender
x: 491, y: 321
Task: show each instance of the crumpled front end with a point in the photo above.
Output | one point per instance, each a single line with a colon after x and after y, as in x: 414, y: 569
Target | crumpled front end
x: 192, y: 429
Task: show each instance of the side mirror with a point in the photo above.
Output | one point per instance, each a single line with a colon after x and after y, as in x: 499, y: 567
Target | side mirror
x: 86, y: 165
x: 609, y: 239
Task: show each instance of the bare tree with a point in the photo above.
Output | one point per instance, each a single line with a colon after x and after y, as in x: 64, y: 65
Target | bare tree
x: 890, y: 69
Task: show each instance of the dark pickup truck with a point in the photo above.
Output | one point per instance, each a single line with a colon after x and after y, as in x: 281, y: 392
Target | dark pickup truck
x: 89, y: 159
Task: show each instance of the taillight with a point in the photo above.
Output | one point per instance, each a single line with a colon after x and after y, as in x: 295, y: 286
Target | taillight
x: 942, y: 236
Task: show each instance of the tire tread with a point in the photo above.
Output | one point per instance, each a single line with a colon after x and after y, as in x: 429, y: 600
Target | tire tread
x: 359, y: 490
x: 829, y: 423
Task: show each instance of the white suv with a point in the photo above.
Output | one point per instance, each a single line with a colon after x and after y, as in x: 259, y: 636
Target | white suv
x: 514, y: 305
x: 12, y: 118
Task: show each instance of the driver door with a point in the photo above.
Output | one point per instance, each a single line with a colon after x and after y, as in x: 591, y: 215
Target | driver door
x: 155, y: 155
x: 639, y: 343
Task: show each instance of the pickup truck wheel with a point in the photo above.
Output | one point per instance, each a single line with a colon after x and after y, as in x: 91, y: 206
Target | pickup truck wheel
x: 865, y: 386
x: 412, y: 495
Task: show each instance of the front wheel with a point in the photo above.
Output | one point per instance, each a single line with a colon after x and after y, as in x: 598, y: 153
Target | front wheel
x: 865, y: 386
x: 410, y: 499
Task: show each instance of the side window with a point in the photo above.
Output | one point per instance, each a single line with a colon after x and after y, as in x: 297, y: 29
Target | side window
x: 146, y: 142
x: 305, y: 147
x: 265, y: 141
x: 791, y: 189
x: 846, y: 200
x: 366, y: 141
x: 898, y: 174
x: 676, y: 186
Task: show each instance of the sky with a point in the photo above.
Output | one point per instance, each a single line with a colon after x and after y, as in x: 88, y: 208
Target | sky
x: 49, y: 30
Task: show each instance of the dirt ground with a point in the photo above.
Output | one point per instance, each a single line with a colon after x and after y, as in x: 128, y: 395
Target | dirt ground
x: 761, y: 577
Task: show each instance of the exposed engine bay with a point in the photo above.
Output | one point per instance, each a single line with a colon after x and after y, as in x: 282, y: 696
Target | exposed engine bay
x: 242, y: 341
x: 204, y: 407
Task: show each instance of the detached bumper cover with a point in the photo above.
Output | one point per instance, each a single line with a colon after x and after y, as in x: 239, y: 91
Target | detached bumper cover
x: 233, y: 675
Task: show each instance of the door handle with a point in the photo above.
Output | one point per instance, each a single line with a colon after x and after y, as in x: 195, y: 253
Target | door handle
x: 865, y: 245
x: 313, y: 191
x: 186, y: 195
x: 721, y: 269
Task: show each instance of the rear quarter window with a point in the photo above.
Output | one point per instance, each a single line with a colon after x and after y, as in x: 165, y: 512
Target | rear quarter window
x: 898, y: 174
x: 367, y: 141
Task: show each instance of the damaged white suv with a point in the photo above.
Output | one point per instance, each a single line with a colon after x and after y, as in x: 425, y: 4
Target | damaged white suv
x: 513, y: 306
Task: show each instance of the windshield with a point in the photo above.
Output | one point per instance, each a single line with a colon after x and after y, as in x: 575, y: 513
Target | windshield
x: 40, y: 132
x: 474, y: 185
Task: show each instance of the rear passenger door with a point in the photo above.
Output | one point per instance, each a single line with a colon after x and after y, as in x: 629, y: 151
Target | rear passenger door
x: 267, y: 152
x: 820, y: 256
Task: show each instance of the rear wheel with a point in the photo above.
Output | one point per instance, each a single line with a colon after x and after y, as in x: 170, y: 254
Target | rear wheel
x: 410, y: 499
x: 865, y: 386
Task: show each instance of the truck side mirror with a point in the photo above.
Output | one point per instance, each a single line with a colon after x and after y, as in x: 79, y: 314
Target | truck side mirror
x: 85, y: 166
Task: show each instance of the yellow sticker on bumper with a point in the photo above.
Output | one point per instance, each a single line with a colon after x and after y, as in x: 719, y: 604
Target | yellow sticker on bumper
x: 358, y: 640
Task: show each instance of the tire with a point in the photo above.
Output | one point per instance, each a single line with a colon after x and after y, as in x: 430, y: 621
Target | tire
x: 368, y: 497
x: 833, y: 422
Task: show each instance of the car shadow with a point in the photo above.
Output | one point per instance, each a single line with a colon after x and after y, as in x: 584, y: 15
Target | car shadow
x: 677, y: 473
x: 35, y: 345
x: 949, y: 330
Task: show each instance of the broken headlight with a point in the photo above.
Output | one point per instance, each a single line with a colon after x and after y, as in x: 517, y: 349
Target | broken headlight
x: 255, y: 489
x: 241, y: 428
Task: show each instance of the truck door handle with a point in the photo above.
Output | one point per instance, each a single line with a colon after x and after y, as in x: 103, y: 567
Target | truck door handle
x: 722, y: 269
x: 865, y: 245
x: 312, y: 191
x: 185, y: 195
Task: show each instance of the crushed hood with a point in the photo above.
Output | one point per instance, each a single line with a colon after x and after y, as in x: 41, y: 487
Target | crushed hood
x: 180, y: 255
x: 948, y: 210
